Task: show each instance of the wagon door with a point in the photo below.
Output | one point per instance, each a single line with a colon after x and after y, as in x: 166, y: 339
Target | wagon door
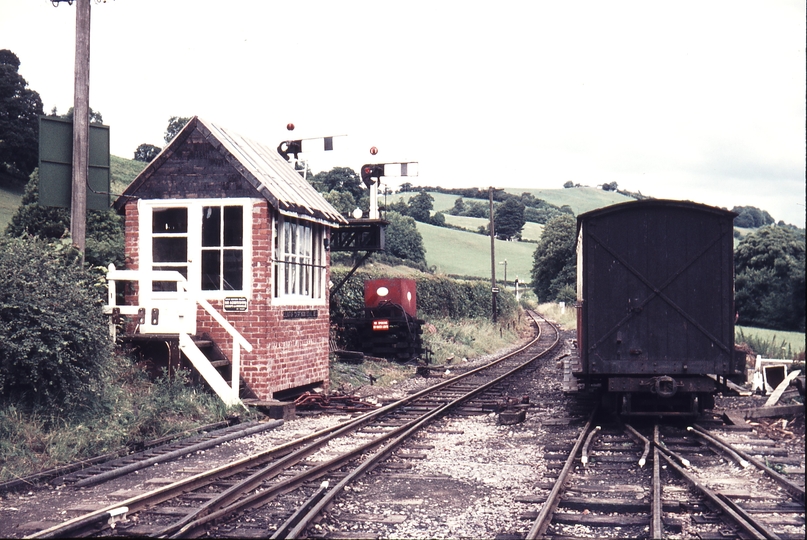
x: 658, y: 291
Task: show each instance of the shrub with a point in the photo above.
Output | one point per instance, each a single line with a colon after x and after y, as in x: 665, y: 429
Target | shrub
x: 436, y: 297
x: 54, y: 338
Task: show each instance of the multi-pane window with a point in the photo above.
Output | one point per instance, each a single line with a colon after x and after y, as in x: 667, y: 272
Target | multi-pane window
x: 207, y: 241
x: 299, y: 260
x: 169, y: 244
x: 222, y: 248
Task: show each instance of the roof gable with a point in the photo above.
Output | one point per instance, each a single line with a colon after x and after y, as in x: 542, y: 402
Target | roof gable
x: 235, y: 166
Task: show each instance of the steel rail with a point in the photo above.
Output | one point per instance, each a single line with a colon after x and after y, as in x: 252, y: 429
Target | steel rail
x: 63, y: 470
x: 382, y: 454
x: 657, y: 514
x: 159, y: 495
x: 721, y: 446
x: 747, y: 523
x: 175, y: 454
x: 541, y: 523
x: 190, y: 525
x: 638, y: 437
x: 794, y: 490
x: 656, y: 508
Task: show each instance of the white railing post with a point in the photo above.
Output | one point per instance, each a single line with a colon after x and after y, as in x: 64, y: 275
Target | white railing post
x: 111, y: 300
x: 187, y: 300
x: 236, y: 368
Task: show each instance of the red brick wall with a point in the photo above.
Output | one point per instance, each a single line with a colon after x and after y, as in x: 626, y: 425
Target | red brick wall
x: 286, y: 353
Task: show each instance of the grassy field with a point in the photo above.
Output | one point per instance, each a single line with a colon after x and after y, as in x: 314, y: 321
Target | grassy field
x: 580, y: 200
x: 9, y: 202
x: 531, y: 231
x: 122, y: 172
x: 468, y: 254
x: 771, y: 343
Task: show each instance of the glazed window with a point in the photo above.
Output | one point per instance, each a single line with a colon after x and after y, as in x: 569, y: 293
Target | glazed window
x: 299, y: 265
x: 169, y: 244
x: 208, y: 241
x: 222, y: 248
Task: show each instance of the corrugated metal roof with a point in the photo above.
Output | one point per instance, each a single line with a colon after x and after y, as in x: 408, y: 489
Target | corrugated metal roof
x: 261, y: 166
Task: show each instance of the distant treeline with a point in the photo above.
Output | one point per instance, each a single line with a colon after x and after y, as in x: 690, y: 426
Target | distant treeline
x: 535, y: 210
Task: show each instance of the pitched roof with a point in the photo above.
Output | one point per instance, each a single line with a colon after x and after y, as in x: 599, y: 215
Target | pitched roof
x: 260, y: 165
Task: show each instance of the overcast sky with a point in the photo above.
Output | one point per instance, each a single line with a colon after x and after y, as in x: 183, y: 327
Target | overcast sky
x: 701, y: 100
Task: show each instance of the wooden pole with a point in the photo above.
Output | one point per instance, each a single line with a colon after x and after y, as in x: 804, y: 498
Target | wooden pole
x: 81, y: 127
x: 493, y: 289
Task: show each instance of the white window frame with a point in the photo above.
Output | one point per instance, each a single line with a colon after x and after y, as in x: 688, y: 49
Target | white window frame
x: 195, y: 208
x: 299, y: 265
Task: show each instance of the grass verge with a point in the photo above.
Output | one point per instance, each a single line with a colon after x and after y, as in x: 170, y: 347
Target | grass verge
x: 450, y: 342
x: 129, y: 410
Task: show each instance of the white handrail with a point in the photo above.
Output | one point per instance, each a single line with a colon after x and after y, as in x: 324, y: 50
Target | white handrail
x: 239, y: 340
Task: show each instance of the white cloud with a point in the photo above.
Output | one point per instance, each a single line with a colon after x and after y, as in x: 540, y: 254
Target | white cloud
x: 703, y: 101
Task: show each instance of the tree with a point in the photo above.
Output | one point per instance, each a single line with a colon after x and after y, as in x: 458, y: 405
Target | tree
x: 420, y: 207
x: 95, y: 116
x: 340, y: 179
x: 508, y: 219
x: 20, y: 108
x: 554, y: 260
x: 769, y: 279
x: 610, y: 186
x: 403, y: 239
x: 343, y: 201
x: 146, y: 152
x: 105, y: 240
x: 458, y: 208
x: 438, y: 219
x: 175, y: 125
x: 751, y: 217
x: 399, y: 206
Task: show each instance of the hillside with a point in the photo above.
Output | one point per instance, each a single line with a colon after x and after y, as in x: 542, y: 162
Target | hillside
x: 122, y: 172
x: 464, y: 253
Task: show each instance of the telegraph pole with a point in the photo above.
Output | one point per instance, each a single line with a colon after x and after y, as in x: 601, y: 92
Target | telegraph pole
x: 494, y: 290
x: 81, y: 127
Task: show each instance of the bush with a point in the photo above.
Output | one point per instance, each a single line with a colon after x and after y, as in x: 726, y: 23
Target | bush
x: 436, y: 297
x: 54, y: 338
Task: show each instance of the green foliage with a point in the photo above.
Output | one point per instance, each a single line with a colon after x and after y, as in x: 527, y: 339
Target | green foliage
x: 146, y: 152
x: 122, y: 172
x: 438, y: 220
x: 343, y: 201
x: 752, y: 217
x: 94, y: 116
x: 104, y: 240
x: 508, y: 219
x: 420, y: 207
x: 35, y: 220
x: 342, y: 179
x: 769, y: 279
x: 554, y: 261
x: 475, y: 209
x: 437, y: 297
x: 54, y: 338
x: 20, y: 108
x: 128, y: 410
x: 771, y: 343
x: 403, y: 239
x: 175, y: 125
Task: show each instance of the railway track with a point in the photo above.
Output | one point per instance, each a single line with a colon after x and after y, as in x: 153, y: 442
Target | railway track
x: 659, y: 481
x: 284, y: 489
x: 202, y: 437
